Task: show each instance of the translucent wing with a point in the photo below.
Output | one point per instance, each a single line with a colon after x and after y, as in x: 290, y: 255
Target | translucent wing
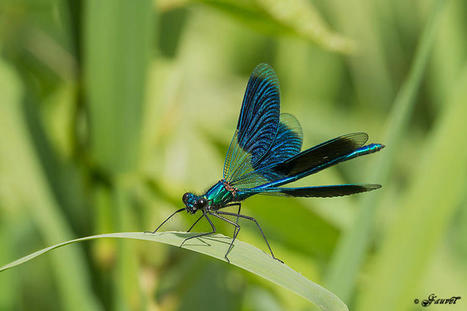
x: 257, y: 125
x: 303, y: 163
x: 287, y: 144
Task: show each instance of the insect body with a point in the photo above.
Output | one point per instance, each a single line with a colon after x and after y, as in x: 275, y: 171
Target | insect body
x: 265, y: 153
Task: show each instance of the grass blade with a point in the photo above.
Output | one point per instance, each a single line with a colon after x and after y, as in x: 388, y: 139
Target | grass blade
x: 353, y: 247
x: 21, y: 169
x: 118, y: 42
x: 294, y: 17
x: 431, y: 201
x: 242, y: 255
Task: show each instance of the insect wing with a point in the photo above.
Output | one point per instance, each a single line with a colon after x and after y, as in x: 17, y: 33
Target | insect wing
x: 317, y: 191
x: 257, y: 125
x: 287, y: 144
x: 321, y: 154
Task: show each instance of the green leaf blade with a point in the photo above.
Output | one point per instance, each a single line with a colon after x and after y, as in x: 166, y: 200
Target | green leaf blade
x: 118, y: 41
x: 243, y: 255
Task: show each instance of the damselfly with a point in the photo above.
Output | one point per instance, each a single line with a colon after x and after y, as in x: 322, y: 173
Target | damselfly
x: 264, y: 154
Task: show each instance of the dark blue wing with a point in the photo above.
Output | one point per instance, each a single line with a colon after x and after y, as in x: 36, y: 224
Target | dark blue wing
x: 287, y: 144
x: 318, y: 191
x: 322, y: 156
x: 257, y: 125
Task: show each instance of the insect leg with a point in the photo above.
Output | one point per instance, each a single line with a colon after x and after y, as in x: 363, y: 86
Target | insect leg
x: 195, y: 223
x: 201, y: 234
x: 238, y: 212
x: 236, y: 231
x: 256, y: 222
x: 178, y: 211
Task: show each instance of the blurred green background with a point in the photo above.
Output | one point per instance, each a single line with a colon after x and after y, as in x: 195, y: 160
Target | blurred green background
x: 112, y: 109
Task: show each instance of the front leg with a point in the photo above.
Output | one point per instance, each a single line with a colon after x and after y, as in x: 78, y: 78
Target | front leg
x: 192, y: 226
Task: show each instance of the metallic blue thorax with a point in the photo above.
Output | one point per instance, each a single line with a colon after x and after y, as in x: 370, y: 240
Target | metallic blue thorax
x: 218, y: 195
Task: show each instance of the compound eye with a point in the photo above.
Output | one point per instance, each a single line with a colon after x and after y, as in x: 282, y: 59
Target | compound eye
x: 185, y: 197
x: 202, y: 202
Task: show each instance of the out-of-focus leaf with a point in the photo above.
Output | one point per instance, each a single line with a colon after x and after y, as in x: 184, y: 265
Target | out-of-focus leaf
x: 242, y: 255
x: 222, y: 295
x: 353, y: 247
x: 371, y: 75
x: 436, y: 192
x: 23, y: 176
x: 286, y: 219
x: 448, y: 52
x: 118, y: 42
x: 260, y: 299
x: 289, y: 17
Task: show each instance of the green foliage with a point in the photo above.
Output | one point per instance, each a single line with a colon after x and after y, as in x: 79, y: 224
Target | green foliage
x: 291, y: 17
x: 117, y: 47
x: 354, y: 246
x: 111, y: 110
x: 421, y: 210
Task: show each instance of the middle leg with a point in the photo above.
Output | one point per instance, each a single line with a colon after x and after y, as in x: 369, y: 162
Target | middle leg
x: 238, y: 213
x: 201, y: 234
x: 236, y: 231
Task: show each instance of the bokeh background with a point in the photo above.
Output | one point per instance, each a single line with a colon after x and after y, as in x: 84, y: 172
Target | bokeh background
x: 111, y: 109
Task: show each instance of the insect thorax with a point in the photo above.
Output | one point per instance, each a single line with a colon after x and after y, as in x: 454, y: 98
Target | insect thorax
x: 220, y: 194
